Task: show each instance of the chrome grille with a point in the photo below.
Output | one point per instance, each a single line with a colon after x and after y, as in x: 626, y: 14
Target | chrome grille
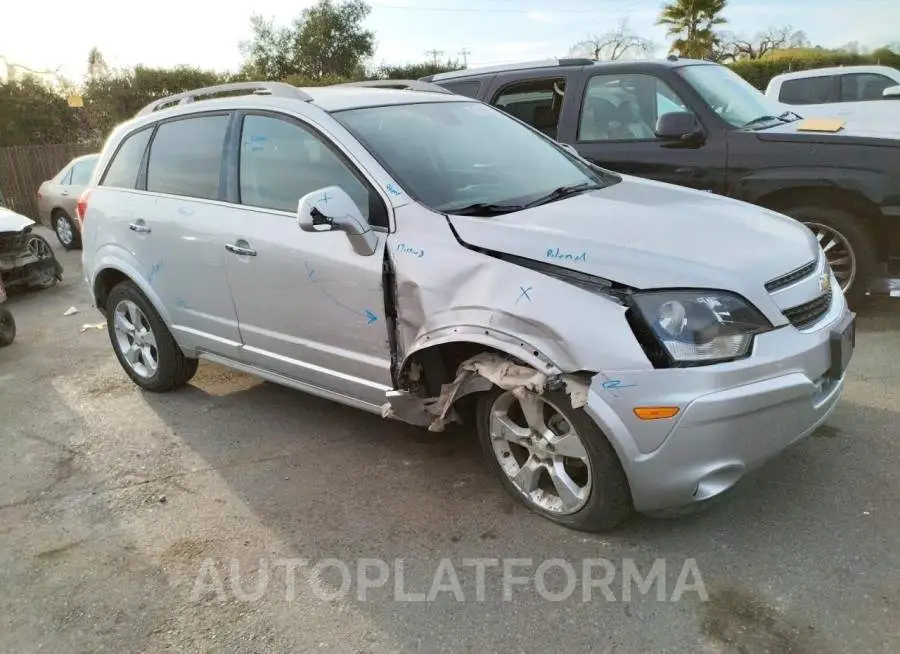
x: 807, y: 314
x: 791, y: 277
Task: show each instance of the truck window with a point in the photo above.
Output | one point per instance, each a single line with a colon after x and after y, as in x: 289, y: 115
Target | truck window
x: 469, y: 88
x: 625, y: 107
x: 536, y: 102
x: 809, y: 90
x: 856, y: 87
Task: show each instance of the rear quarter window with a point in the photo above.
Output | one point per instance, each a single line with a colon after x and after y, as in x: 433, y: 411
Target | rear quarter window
x: 125, y: 166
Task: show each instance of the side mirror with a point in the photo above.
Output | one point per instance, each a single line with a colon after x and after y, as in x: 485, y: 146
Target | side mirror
x: 891, y: 93
x: 678, y: 126
x: 331, y: 209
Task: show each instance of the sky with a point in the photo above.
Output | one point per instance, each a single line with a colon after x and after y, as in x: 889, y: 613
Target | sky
x: 57, y: 34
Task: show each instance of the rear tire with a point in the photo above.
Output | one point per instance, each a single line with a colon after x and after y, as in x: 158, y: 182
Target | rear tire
x: 155, y: 362
x: 66, y: 230
x: 7, y: 327
x: 852, y: 241
x: 608, y: 498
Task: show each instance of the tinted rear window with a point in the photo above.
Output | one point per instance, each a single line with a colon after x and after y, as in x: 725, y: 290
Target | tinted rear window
x: 812, y: 90
x: 186, y: 157
x: 126, y: 163
x: 469, y: 89
x: 81, y: 172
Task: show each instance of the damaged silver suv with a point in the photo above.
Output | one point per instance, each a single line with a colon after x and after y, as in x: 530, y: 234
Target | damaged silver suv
x: 619, y: 343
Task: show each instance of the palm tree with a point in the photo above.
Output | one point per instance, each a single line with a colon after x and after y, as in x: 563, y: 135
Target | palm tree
x: 691, y: 22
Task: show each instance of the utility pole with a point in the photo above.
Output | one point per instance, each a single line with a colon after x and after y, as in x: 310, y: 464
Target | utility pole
x: 465, y: 52
x: 434, y: 54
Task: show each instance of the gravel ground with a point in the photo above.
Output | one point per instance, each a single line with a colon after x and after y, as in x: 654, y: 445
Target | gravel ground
x: 203, y: 520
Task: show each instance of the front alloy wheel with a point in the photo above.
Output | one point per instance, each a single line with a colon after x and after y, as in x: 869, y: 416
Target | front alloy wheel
x: 553, y: 458
x: 541, y: 453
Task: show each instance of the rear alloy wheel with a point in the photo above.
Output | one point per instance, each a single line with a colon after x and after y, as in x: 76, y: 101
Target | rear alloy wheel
x: 66, y: 231
x: 554, y: 459
x: 848, y: 247
x: 142, y: 342
x: 7, y: 327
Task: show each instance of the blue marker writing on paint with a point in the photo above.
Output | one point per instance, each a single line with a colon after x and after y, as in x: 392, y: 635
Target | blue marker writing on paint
x: 556, y: 253
x: 403, y: 248
x: 524, y: 294
x: 615, y: 384
x: 393, y: 190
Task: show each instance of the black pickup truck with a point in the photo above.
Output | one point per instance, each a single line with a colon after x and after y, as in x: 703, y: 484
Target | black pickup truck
x: 700, y: 125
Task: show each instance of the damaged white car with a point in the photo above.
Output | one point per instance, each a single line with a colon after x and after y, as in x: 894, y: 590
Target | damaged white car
x: 619, y: 344
x: 26, y: 258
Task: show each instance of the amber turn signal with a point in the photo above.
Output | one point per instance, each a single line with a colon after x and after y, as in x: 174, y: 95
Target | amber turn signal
x: 655, y: 412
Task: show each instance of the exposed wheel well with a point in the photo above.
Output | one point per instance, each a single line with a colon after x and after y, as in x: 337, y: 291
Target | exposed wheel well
x: 428, y: 369
x: 105, y: 282
x: 849, y: 201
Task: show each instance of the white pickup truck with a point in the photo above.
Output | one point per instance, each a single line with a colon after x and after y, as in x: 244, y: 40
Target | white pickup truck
x: 864, y: 92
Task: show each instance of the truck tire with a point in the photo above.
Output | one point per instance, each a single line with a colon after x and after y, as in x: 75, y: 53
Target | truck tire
x: 849, y: 247
x: 7, y: 327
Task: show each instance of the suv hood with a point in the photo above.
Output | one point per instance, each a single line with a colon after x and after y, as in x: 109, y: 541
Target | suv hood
x: 648, y: 234
x: 10, y: 221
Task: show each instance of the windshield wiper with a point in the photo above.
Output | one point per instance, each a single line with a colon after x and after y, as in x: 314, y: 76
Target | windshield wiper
x: 791, y: 116
x: 765, y: 119
x: 485, y: 209
x: 563, y: 192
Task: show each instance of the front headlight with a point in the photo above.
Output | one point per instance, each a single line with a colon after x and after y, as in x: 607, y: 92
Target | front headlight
x: 701, y: 327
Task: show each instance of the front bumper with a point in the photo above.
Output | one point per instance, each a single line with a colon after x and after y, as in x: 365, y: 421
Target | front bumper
x: 733, y: 417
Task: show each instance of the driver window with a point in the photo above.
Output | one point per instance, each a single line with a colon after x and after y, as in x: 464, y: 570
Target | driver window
x: 281, y: 161
x: 625, y: 107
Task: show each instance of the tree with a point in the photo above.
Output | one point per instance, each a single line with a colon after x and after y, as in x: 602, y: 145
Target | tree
x: 33, y: 114
x: 116, y: 96
x: 415, y: 71
x: 735, y: 48
x: 618, y: 43
x: 326, y: 41
x: 96, y: 64
x: 691, y: 22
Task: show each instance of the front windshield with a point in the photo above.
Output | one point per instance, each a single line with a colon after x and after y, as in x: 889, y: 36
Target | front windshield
x: 453, y: 155
x: 731, y: 96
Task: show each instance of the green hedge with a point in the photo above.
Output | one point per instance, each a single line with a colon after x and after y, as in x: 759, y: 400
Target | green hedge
x: 760, y: 71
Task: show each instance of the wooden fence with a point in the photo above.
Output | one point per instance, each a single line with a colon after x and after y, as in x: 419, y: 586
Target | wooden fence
x: 24, y: 168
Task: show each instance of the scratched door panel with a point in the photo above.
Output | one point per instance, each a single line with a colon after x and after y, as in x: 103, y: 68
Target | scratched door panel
x: 186, y: 268
x: 309, y: 306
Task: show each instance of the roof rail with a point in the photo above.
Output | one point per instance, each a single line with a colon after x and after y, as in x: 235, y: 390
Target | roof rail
x: 407, y: 84
x: 276, y: 89
x: 548, y: 63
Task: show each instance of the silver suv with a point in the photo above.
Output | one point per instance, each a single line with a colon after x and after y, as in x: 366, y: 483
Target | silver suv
x: 618, y: 343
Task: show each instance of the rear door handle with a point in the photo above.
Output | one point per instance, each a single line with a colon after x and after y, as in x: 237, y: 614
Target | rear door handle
x: 241, y: 250
x: 140, y: 228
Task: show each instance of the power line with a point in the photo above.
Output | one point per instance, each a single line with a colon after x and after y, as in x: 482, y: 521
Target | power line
x: 434, y: 54
x: 483, y: 10
x: 465, y: 52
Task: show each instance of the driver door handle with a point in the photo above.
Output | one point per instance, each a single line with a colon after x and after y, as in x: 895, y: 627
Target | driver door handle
x: 139, y: 228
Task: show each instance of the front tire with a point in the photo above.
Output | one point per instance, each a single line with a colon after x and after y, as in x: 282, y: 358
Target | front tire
x: 850, y: 249
x: 66, y: 231
x: 7, y: 327
x: 143, y: 344
x: 554, y: 459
